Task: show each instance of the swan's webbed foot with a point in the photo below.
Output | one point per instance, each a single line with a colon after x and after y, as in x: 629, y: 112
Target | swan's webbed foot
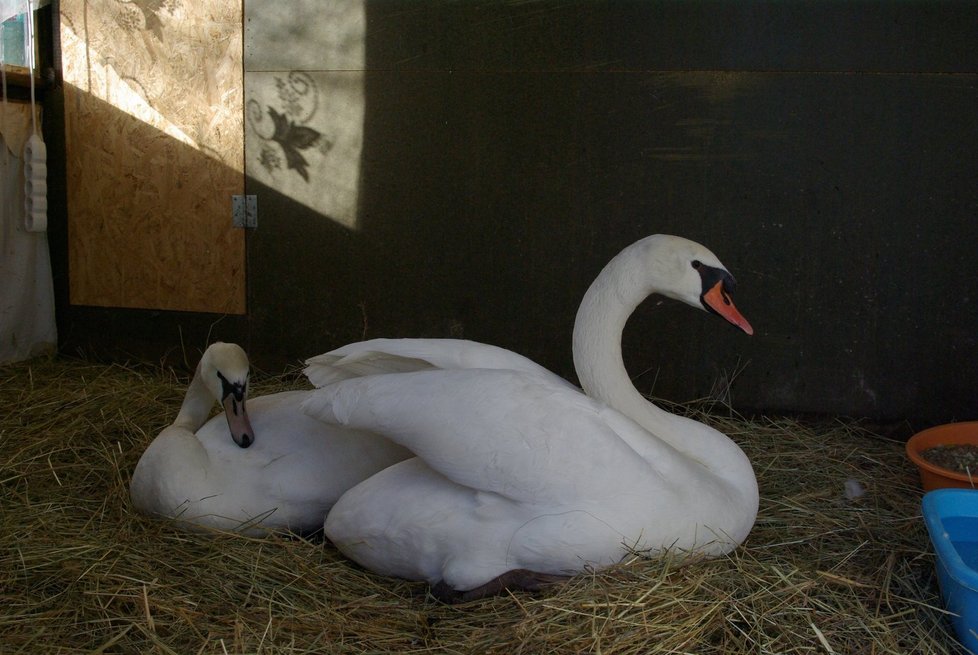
x: 515, y: 580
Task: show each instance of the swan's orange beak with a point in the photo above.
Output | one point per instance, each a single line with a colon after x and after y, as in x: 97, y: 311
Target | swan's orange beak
x: 238, y: 422
x: 719, y: 301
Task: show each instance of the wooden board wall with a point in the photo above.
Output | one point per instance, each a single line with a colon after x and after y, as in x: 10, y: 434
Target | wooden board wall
x: 154, y: 147
x: 825, y: 151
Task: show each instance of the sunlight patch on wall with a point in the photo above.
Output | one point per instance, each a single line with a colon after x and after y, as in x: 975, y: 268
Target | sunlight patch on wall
x: 304, y: 107
x: 91, y: 75
x: 174, y: 65
x: 153, y: 153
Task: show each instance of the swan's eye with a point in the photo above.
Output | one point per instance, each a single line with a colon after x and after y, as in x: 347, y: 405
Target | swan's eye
x: 696, y: 264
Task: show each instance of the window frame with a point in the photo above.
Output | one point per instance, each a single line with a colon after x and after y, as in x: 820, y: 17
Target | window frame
x: 44, y: 73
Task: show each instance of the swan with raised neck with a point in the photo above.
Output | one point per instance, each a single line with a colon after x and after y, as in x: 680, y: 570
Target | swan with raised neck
x: 519, y: 477
x: 683, y: 270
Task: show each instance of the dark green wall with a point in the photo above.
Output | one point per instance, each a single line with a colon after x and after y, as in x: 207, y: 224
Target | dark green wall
x: 825, y: 151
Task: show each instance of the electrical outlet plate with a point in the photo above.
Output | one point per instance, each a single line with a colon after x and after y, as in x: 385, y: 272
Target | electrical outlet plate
x: 244, y: 211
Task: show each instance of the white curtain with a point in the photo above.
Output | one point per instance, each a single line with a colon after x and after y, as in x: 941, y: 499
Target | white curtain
x: 27, y: 326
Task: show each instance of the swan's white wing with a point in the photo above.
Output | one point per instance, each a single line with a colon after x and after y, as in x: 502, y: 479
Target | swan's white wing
x: 497, y: 430
x: 405, y: 355
x: 294, y: 471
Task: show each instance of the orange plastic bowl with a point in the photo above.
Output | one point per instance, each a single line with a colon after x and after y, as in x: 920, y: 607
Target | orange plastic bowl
x: 938, y: 477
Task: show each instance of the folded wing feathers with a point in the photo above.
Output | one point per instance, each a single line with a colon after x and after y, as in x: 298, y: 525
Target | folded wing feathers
x: 408, y: 355
x: 326, y: 369
x: 501, y: 431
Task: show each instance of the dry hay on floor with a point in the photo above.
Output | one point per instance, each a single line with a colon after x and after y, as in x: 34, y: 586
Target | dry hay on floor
x: 80, y: 572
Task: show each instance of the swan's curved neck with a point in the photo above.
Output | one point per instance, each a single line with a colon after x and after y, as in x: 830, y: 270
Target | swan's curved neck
x: 612, y: 297
x: 620, y: 287
x: 196, y: 406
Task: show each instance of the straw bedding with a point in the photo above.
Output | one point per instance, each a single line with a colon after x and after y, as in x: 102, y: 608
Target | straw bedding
x: 80, y: 572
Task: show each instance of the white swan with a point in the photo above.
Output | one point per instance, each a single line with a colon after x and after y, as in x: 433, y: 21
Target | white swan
x: 520, y: 477
x: 282, y: 471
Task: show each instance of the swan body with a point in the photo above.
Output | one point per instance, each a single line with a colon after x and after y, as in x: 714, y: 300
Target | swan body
x: 262, y: 465
x: 516, y: 470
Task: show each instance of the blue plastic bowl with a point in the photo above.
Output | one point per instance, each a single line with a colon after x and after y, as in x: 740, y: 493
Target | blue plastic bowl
x: 951, y: 516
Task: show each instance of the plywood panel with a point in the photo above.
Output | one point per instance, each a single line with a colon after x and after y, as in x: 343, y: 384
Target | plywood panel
x: 154, y: 146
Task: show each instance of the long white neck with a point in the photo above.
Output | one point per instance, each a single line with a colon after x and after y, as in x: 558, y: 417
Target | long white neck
x: 197, y: 404
x: 619, y: 288
x: 176, y: 466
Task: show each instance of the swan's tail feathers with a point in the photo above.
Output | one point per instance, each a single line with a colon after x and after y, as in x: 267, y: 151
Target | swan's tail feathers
x: 323, y: 370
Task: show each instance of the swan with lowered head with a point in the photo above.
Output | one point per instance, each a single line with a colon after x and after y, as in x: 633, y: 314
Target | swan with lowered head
x: 262, y: 465
x: 519, y: 477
